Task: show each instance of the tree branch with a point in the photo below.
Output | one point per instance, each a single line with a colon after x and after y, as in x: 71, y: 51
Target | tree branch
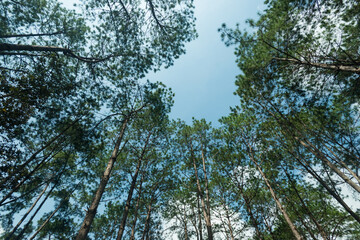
x: 338, y: 67
x: 31, y: 35
x: 152, y: 9
x: 126, y: 11
x: 36, y: 48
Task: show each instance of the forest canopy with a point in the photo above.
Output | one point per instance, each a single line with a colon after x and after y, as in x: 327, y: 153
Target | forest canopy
x: 88, y: 150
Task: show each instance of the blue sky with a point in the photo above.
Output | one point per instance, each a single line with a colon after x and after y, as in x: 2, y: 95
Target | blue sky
x: 203, y: 79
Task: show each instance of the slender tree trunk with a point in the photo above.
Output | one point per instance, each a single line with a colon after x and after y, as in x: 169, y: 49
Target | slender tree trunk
x: 147, y: 221
x: 185, y: 225
x: 132, y: 237
x: 321, y: 156
x: 199, y: 215
x: 33, y: 156
x: 27, y: 213
x: 46, y: 222
x: 207, y: 219
x: 344, y: 164
x: 309, y: 146
x: 251, y: 214
x: 248, y: 208
x: 330, y: 191
x: 85, y: 227
x: 267, y: 225
x: 281, y: 208
x: 131, y: 190
x: 32, y: 217
x: 206, y: 191
x: 231, y: 231
x: 308, y: 168
x: 208, y: 226
x: 304, y: 205
x: 194, y: 223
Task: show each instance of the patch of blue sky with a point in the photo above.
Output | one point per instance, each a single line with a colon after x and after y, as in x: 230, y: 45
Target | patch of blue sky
x: 203, y: 79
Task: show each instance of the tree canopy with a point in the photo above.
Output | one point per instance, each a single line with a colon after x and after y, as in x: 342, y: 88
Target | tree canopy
x: 88, y: 150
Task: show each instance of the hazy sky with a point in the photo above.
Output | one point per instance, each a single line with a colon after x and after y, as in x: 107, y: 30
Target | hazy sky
x: 203, y: 79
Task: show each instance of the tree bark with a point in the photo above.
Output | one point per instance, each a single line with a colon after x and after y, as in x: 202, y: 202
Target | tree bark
x: 207, y: 220
x: 46, y: 222
x: 132, y: 237
x: 18, y: 237
x: 147, y: 221
x: 248, y: 208
x: 185, y: 225
x: 131, y: 190
x: 85, y: 227
x: 227, y: 215
x: 338, y: 67
x: 267, y: 225
x: 208, y: 225
x: 199, y: 215
x: 194, y: 223
x: 317, y: 224
x: 330, y: 191
x: 281, y: 208
x: 27, y: 213
x: 321, y: 156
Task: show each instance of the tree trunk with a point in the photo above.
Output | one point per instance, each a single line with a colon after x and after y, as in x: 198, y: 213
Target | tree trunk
x: 342, y: 163
x: 248, y: 208
x: 321, y: 156
x: 194, y: 223
x: 85, y: 227
x: 46, y: 222
x: 267, y: 225
x: 318, y: 226
x: 208, y: 224
x: 330, y: 191
x: 281, y: 208
x: 27, y: 213
x: 132, y: 237
x: 199, y: 215
x: 185, y: 225
x: 131, y: 190
x: 229, y: 222
x: 37, y: 210
x: 207, y: 220
x: 147, y: 221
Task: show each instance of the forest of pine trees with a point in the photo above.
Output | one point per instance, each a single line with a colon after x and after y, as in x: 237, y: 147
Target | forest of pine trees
x: 88, y: 150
